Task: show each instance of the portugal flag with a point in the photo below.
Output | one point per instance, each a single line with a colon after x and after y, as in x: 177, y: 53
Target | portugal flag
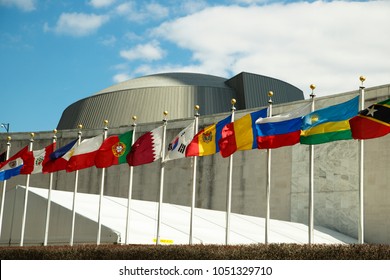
x: 114, y: 150
x: 372, y: 122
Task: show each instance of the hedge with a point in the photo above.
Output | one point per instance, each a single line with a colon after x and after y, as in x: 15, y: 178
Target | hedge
x: 199, y: 252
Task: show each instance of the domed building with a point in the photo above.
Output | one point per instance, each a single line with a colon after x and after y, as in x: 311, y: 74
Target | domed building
x: 147, y: 97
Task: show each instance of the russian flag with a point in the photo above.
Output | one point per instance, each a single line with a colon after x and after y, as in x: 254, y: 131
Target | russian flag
x: 282, y: 130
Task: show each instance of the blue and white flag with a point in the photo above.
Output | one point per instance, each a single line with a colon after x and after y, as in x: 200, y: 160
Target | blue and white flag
x: 20, y: 163
x: 11, y: 169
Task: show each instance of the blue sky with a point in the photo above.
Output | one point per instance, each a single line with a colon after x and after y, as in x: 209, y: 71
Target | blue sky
x: 54, y: 53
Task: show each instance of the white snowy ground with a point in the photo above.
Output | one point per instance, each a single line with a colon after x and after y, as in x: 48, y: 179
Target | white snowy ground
x: 209, y: 226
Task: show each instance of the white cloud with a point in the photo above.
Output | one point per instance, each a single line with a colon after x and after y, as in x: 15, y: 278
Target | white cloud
x: 251, y: 2
x: 156, y: 10
x: 142, y: 12
x: 150, y: 51
x: 78, y: 24
x: 125, y: 8
x: 192, y: 6
x: 108, y: 41
x: 132, y: 36
x: 101, y: 3
x: 24, y: 5
x: 327, y: 43
x: 121, y: 77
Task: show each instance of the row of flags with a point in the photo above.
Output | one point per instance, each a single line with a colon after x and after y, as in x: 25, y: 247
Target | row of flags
x: 252, y: 131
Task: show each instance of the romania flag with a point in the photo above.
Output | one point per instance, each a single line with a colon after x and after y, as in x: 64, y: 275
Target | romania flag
x: 205, y: 142
x: 330, y: 123
x: 240, y: 134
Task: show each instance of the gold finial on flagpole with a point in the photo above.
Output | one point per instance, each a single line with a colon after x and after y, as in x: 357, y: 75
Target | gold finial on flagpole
x: 233, y: 101
x: 165, y: 116
x: 9, y: 138
x: 105, y: 125
x: 54, y: 133
x: 197, y: 107
x: 134, y: 121
x: 80, y: 127
x: 362, y: 79
x: 312, y: 87
x: 270, y: 94
x: 32, y: 134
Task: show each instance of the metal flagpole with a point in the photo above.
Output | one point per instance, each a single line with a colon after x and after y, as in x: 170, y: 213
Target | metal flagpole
x: 161, y: 178
x: 195, y: 158
x: 361, y: 172
x: 4, y: 185
x: 268, y: 188
x: 134, y: 125
x: 49, y: 198
x: 311, y: 177
x: 30, y: 148
x: 74, y: 193
x: 101, y: 190
x: 229, y: 189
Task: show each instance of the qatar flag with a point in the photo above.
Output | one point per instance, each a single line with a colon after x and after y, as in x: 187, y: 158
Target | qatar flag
x: 147, y: 148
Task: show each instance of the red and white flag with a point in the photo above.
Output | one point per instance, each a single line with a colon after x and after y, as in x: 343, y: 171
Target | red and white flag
x: 147, y: 148
x: 41, y: 157
x: 84, y: 154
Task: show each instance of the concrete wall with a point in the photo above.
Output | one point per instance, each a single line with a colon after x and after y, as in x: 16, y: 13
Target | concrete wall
x: 60, y: 222
x: 336, y: 176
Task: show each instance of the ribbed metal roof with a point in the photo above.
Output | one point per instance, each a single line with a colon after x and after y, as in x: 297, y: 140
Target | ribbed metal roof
x: 169, y: 80
x: 147, y: 97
